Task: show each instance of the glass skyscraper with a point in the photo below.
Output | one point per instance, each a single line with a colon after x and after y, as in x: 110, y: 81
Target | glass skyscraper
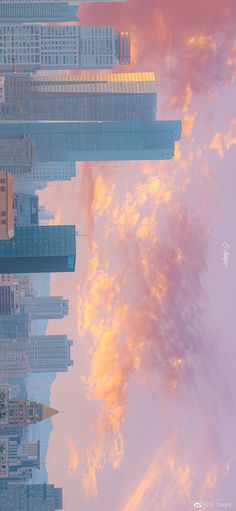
x: 32, y: 46
x: 49, y: 353
x: 29, y: 497
x: 42, y: 10
x: 98, y: 141
x: 38, y: 10
x: 38, y: 249
x: 79, y: 97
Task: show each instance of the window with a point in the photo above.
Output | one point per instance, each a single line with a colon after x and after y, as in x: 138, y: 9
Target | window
x: 3, y: 222
x: 3, y: 213
x: 2, y: 188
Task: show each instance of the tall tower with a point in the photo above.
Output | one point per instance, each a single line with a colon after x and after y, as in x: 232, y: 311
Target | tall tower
x: 18, y: 412
x: 79, y: 97
x: 39, y: 249
x: 18, y: 458
x: 45, y: 307
x: 49, y: 353
x: 49, y: 171
x: 98, y: 141
x: 62, y: 46
x: 15, y: 326
x: 29, y: 497
x: 38, y: 10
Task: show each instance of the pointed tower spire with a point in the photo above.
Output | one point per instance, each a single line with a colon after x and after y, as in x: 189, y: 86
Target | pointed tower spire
x: 46, y: 412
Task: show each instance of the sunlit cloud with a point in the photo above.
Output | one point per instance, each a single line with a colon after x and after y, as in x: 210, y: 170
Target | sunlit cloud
x: 222, y: 142
x: 74, y: 458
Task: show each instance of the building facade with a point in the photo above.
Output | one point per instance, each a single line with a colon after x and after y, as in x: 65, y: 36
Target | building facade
x: 38, y: 249
x: 26, y: 209
x: 6, y: 205
x: 31, y: 47
x: 49, y: 353
x: 29, y: 497
x: 98, y: 141
x: 17, y: 155
x: 14, y: 326
x: 19, y: 412
x: 14, y: 361
x: 45, y: 307
x: 18, y: 458
x: 38, y: 10
x: 7, y: 300
x: 79, y: 97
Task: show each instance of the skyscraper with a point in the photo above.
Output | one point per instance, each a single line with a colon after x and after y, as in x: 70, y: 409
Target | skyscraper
x: 13, y: 359
x: 29, y: 497
x: 45, y: 307
x: 18, y: 458
x: 26, y: 209
x: 98, y: 141
x: 49, y: 353
x: 31, y: 47
x: 7, y: 301
x: 18, y: 412
x: 49, y: 171
x: 14, y: 326
x: 37, y: 249
x: 38, y: 10
x: 79, y: 97
x: 41, y: 354
x: 17, y: 155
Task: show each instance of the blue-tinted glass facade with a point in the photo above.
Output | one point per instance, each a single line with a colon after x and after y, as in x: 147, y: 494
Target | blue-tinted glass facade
x: 83, y: 97
x: 29, y: 11
x: 98, y: 141
x: 14, y: 327
x: 36, y: 249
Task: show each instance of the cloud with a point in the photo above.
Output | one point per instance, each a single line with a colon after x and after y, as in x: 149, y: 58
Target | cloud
x: 144, y: 321
x: 190, y: 52
x: 74, y: 458
x: 222, y: 142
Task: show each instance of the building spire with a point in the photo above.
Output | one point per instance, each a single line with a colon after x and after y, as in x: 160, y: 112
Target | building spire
x: 46, y: 412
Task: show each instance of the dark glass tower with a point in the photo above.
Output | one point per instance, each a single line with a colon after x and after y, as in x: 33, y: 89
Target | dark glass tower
x: 38, y: 249
x: 97, y: 141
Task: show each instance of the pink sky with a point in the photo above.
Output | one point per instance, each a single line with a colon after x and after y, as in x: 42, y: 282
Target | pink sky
x: 150, y: 401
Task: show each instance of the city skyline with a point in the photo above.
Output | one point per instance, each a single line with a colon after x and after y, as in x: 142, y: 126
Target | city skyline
x: 117, y: 155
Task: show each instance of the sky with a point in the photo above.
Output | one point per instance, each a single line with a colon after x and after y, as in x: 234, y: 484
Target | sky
x: 149, y: 405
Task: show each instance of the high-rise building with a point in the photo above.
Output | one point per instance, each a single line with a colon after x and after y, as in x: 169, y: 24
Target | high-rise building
x: 49, y: 353
x: 45, y: 307
x: 31, y: 47
x: 13, y: 359
x: 17, y: 155
x: 14, y: 327
x: 79, y: 97
x: 26, y: 209
x: 44, y: 214
x: 98, y: 141
x: 29, y: 497
x: 7, y: 300
x: 38, y: 10
x: 48, y: 171
x: 41, y: 354
x: 18, y: 412
x: 18, y: 458
x: 38, y: 249
x: 6, y: 205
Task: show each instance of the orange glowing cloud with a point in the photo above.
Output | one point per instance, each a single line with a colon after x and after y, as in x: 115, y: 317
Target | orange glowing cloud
x: 222, y: 142
x: 123, y: 313
x: 74, y: 458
